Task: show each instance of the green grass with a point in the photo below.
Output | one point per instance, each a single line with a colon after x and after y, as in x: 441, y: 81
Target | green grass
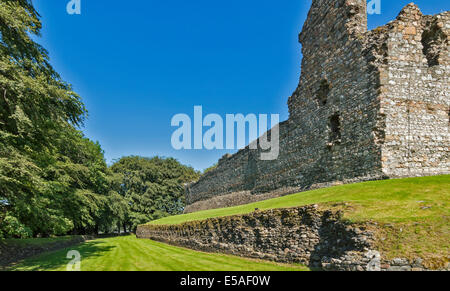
x: 132, y: 254
x: 411, y: 216
x: 402, y: 200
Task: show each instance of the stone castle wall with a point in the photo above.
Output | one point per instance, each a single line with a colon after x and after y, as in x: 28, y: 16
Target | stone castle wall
x: 369, y: 105
x: 415, y: 94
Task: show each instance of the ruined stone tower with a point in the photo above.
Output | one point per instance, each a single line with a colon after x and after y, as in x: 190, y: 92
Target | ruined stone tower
x: 369, y: 105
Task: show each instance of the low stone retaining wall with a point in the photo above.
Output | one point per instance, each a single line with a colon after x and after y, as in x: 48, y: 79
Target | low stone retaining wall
x: 237, y: 198
x: 305, y: 235
x: 247, y: 197
x: 12, y: 253
x: 297, y: 235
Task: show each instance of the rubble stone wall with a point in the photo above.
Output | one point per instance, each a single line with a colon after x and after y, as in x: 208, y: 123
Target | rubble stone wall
x: 305, y: 235
x: 415, y: 95
x: 369, y: 105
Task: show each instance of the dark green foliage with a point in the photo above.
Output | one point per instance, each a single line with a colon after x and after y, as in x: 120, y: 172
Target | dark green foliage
x: 11, y: 227
x: 153, y: 188
x: 52, y: 179
x: 36, y: 110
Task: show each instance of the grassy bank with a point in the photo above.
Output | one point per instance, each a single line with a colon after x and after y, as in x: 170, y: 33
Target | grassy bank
x: 131, y: 254
x: 412, y: 216
x: 388, y: 201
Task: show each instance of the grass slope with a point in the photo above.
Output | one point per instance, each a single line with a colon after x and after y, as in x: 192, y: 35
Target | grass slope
x: 132, y: 254
x: 387, y: 200
x: 412, y: 215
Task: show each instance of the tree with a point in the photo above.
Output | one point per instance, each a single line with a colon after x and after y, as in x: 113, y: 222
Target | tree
x: 52, y: 179
x: 153, y: 187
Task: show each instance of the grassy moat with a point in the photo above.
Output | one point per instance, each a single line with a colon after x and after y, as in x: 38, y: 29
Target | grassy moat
x: 410, y: 218
x: 131, y: 254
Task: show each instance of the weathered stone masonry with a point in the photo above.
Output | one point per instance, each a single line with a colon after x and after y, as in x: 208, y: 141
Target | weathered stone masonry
x: 298, y: 235
x: 369, y: 105
x: 306, y: 235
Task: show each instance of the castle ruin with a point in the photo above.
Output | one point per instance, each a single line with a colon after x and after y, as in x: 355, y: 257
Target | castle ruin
x: 370, y: 105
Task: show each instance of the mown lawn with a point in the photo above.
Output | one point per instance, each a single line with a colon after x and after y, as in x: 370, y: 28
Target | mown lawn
x: 412, y: 216
x: 132, y: 254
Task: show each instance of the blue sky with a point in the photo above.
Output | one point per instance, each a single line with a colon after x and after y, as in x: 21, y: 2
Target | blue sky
x: 138, y: 63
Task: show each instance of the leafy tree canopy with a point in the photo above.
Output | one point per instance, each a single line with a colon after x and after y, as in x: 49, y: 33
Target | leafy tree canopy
x: 53, y: 180
x: 153, y: 187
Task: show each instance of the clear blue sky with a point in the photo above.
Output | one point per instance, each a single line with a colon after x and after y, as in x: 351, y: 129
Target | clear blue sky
x: 137, y: 63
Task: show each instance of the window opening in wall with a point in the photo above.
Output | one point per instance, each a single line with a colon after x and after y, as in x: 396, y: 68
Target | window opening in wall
x: 434, y: 41
x: 323, y: 92
x: 335, y: 129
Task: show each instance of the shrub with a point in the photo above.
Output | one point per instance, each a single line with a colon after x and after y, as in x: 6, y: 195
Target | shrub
x: 12, y: 228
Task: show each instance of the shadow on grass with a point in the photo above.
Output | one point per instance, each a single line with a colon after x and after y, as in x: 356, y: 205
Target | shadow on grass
x: 58, y: 260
